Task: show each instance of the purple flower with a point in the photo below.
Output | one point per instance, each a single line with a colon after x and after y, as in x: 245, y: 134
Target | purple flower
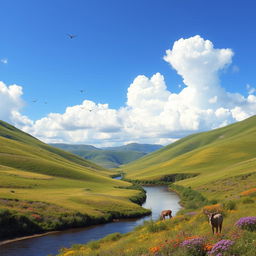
x: 248, y: 223
x: 221, y: 247
x: 194, y: 245
x: 193, y: 242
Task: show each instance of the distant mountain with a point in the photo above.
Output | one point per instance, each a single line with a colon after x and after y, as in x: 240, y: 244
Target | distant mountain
x: 144, y: 148
x: 110, y: 157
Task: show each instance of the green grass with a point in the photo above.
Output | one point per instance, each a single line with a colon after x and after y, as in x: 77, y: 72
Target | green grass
x: 225, y: 163
x: 34, y: 171
x: 164, y: 237
x: 215, y: 155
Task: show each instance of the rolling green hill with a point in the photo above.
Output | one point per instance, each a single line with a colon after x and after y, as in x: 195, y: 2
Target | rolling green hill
x: 212, y: 156
x: 36, y: 177
x: 213, y: 172
x: 111, y: 157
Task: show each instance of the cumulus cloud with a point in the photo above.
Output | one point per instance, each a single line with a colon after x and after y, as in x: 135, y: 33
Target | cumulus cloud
x: 11, y: 104
x: 152, y: 113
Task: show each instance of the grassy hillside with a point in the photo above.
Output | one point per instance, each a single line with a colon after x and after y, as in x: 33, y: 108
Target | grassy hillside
x: 31, y: 171
x: 224, y: 161
x: 111, y: 157
x: 212, y: 156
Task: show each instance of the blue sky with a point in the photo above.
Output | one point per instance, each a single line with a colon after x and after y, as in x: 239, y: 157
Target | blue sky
x: 116, y: 41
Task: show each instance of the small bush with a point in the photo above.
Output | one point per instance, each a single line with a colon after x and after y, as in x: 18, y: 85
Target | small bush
x: 155, y: 227
x: 229, y: 205
x: 213, y: 201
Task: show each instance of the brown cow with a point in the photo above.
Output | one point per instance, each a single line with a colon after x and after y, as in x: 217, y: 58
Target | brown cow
x: 165, y: 213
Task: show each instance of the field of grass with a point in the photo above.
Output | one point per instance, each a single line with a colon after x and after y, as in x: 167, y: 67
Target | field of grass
x: 213, y: 171
x: 165, y: 238
x: 211, y: 156
x: 31, y: 171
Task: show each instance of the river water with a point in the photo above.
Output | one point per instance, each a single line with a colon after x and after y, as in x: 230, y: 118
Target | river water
x: 158, y: 199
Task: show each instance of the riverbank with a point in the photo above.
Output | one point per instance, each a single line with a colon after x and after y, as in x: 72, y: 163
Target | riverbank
x: 26, y: 237
x: 171, y: 236
x: 16, y: 225
x: 34, y: 217
x: 51, y: 243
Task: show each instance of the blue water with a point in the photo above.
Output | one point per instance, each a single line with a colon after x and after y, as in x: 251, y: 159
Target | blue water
x: 158, y: 199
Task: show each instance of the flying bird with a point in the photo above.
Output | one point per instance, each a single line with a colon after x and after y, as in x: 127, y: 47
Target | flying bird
x: 81, y: 91
x: 35, y: 100
x: 71, y: 36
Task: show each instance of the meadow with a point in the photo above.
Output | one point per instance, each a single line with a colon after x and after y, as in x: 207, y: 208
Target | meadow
x: 44, y: 188
x: 187, y: 234
x: 212, y: 171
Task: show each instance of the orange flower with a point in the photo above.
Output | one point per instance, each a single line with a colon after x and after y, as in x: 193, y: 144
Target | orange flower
x: 212, y: 208
x: 154, y: 249
x: 208, y: 247
x: 191, y: 237
x: 248, y: 192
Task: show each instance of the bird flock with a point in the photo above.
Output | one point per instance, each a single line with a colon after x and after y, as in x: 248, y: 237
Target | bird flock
x: 70, y: 36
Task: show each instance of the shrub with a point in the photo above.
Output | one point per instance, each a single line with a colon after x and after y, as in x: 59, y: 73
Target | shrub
x: 190, y: 198
x: 247, y: 223
x: 155, y: 227
x: 221, y: 248
x: 229, y: 205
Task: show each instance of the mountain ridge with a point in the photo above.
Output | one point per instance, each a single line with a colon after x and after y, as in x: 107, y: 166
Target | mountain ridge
x: 109, y: 157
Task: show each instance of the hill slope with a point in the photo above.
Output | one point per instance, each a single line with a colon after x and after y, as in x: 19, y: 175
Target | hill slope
x: 110, y: 157
x: 215, y: 155
x: 31, y: 171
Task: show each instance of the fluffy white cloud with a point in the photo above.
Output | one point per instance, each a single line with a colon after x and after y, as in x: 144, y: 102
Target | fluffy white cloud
x: 152, y: 113
x: 11, y: 104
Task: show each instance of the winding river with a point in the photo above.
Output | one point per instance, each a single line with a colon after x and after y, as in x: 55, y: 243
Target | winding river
x: 158, y: 199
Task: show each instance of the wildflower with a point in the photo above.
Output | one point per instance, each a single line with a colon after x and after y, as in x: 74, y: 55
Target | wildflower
x: 248, y: 223
x: 212, y: 208
x: 195, y: 246
x: 221, y: 247
x: 208, y: 247
x: 68, y: 253
x: 155, y: 249
x: 248, y: 192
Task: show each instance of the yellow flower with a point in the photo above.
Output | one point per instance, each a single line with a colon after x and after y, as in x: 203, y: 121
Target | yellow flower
x: 68, y: 253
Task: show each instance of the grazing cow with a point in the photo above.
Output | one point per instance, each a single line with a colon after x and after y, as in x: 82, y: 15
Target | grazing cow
x: 165, y: 213
x: 215, y: 220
